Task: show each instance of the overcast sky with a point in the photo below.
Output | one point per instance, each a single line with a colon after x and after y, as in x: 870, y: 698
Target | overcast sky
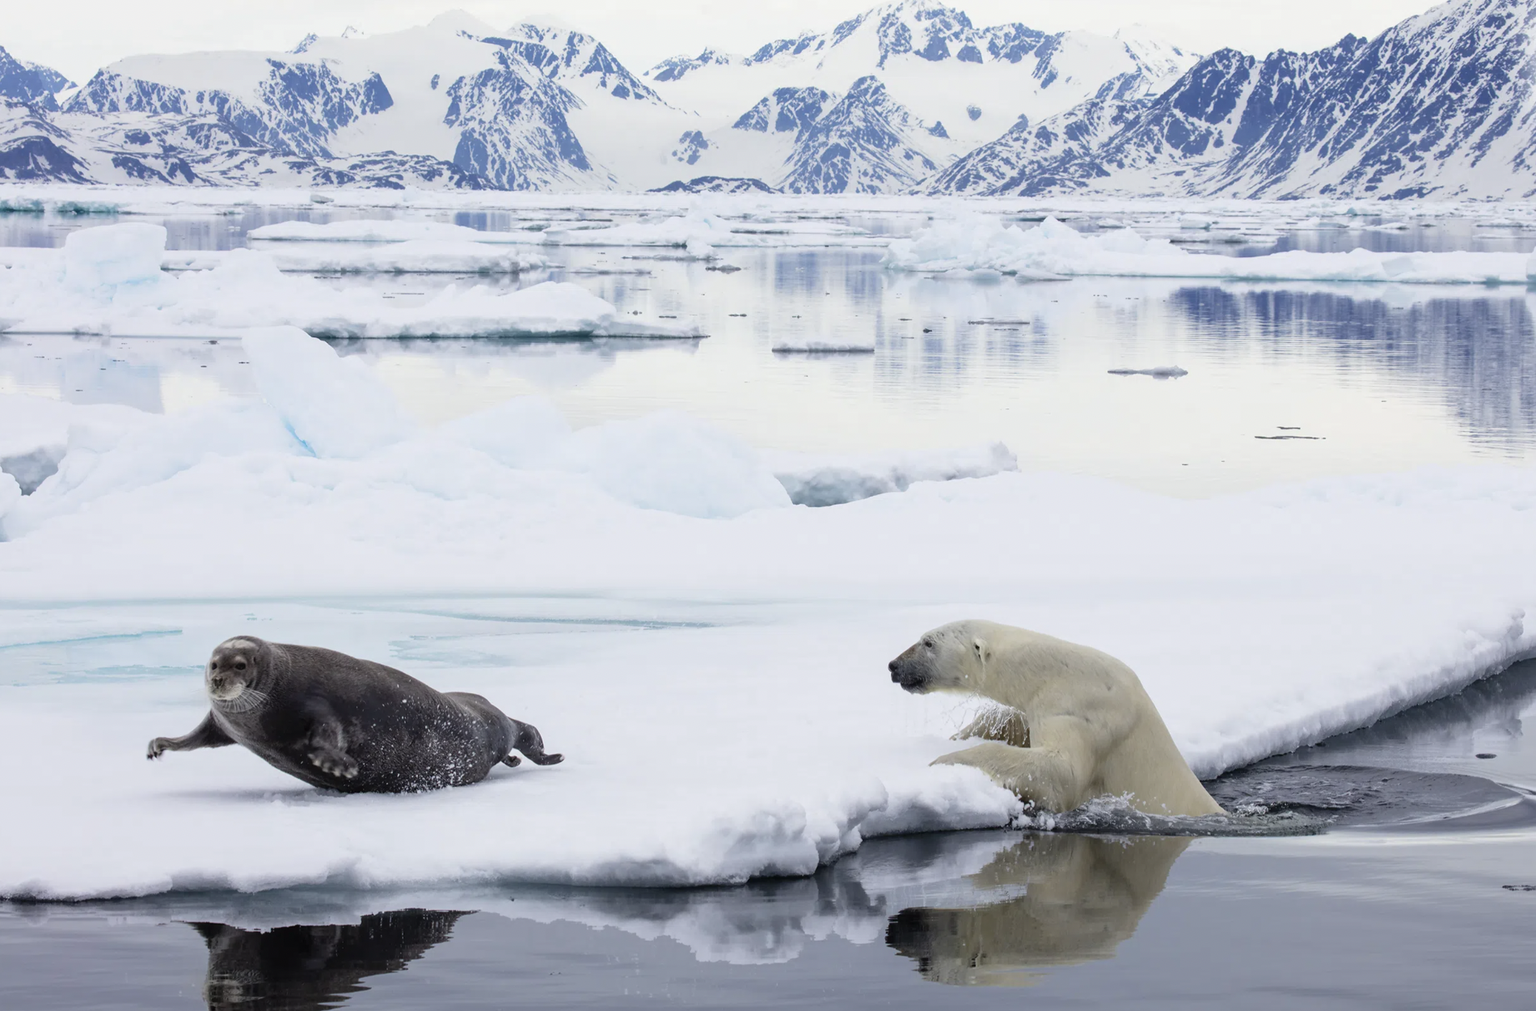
x: 79, y: 36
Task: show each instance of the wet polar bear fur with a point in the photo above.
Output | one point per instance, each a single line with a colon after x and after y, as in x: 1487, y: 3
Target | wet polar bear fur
x: 1088, y: 729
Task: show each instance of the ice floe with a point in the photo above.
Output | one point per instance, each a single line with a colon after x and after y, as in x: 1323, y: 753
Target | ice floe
x: 110, y: 282
x: 982, y: 246
x: 753, y: 732
x: 695, y: 232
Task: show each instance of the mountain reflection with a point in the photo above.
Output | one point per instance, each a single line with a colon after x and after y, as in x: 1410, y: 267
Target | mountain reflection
x: 303, y: 967
x: 1081, y: 897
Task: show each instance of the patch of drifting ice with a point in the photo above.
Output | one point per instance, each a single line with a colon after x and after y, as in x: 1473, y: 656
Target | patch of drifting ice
x: 385, y: 230
x: 696, y: 233
x: 247, y: 289
x: 1156, y: 372
x: 981, y: 245
x: 855, y: 344
x: 828, y: 480
x: 416, y: 256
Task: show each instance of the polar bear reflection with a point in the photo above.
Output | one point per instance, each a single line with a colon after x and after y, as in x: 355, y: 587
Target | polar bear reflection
x: 1082, y: 897
x: 303, y: 968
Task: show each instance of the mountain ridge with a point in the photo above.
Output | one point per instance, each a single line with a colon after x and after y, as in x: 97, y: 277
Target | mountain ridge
x: 909, y: 96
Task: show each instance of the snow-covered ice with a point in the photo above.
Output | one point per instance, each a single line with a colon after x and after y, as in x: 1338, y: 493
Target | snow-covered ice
x: 110, y: 282
x: 711, y: 658
x: 978, y: 245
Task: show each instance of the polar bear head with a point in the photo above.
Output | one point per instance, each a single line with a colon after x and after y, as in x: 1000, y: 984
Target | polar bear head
x: 950, y: 658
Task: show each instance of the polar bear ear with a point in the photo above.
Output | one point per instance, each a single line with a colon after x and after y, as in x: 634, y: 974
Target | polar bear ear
x: 982, y: 652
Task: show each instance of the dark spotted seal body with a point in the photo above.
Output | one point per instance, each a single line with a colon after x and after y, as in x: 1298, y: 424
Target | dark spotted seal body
x: 351, y: 725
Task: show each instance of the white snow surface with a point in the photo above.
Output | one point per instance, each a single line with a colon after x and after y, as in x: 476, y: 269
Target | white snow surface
x: 247, y: 289
x: 981, y: 245
x: 759, y: 736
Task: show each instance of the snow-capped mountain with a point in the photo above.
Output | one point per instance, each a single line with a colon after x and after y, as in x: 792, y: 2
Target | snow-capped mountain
x: 907, y: 97
x: 30, y: 83
x: 976, y: 82
x: 863, y: 144
x: 1440, y: 104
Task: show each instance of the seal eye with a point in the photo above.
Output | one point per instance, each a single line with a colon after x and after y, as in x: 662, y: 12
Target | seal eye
x: 239, y: 665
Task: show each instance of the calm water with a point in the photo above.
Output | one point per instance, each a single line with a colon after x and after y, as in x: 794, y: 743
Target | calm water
x: 1359, y: 377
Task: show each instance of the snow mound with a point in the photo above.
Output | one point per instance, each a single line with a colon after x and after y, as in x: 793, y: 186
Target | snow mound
x: 335, y: 407
x: 981, y: 246
x: 829, y: 480
x: 674, y: 462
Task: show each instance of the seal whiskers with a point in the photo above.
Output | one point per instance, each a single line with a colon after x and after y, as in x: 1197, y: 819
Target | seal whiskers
x: 248, y: 699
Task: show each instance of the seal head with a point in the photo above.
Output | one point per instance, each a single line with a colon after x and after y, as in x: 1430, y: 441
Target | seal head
x: 239, y: 675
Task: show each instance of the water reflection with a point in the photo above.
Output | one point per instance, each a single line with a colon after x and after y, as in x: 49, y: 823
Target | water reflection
x: 303, y: 967
x: 1081, y: 896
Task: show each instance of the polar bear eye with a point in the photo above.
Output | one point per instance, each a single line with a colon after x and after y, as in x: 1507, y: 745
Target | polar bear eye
x: 928, y: 643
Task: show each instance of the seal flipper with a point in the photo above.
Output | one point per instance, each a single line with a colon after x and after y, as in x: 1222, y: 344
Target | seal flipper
x: 206, y: 734
x: 525, y: 738
x: 327, y: 745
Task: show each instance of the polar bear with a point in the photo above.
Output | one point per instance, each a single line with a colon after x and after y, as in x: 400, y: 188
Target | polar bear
x: 1087, y: 727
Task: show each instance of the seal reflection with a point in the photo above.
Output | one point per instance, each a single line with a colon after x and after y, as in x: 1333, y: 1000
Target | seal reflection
x: 1082, y: 896
x: 302, y: 968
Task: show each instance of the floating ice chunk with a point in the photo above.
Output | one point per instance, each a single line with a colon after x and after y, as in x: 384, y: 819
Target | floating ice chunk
x: 829, y: 480
x: 247, y: 289
x: 975, y: 245
x: 389, y: 230
x: 335, y: 406
x: 415, y: 256
x: 110, y: 255
x: 1156, y: 372
x: 853, y: 343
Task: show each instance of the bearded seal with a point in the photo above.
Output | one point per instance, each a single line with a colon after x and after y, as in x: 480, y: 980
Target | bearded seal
x: 351, y: 725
